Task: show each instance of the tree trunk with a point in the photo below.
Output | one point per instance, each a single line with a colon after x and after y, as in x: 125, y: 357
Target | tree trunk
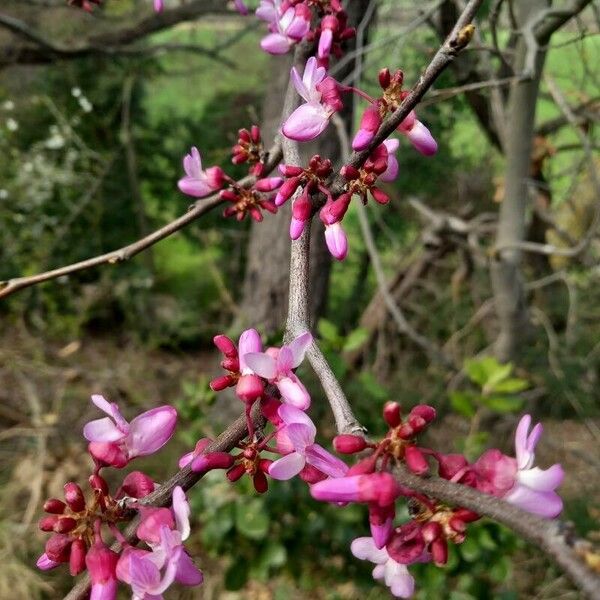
x: 265, y: 292
x: 505, y: 269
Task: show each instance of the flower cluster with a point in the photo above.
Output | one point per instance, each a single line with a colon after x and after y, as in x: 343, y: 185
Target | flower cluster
x: 289, y: 22
x: 79, y: 524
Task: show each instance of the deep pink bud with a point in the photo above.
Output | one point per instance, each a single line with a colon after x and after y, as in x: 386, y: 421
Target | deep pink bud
x: 379, y: 195
x: 364, y: 466
x: 48, y: 522
x: 231, y: 364
x: 64, y: 524
x: 439, y: 551
x: 290, y: 170
x: 255, y: 133
x: 381, y: 521
x: 77, y: 558
x: 264, y: 464
x: 426, y: 412
x: 54, y: 506
x: 261, y: 485
x: 392, y: 413
x: 369, y: 124
x: 97, y: 482
x: 405, y: 431
x: 235, y: 472
x: 466, y: 515
x: 58, y: 547
x: 226, y: 346
x: 222, y: 382
x: 101, y: 562
x: 431, y: 531
x: 379, y: 488
x: 349, y: 172
x: 415, y: 460
x: 213, y: 460
x: 269, y: 408
x: 74, y: 496
x: 450, y: 464
x: 349, y: 444
x: 136, y: 485
x: 107, y: 453
x: 384, y: 78
x: 250, y: 388
x: 287, y: 190
x: 457, y: 524
x: 268, y: 184
x: 311, y: 474
x: 302, y: 208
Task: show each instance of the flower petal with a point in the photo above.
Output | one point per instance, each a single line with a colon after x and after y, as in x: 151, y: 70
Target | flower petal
x: 187, y: 572
x: 275, y: 43
x: 151, y: 430
x: 300, y: 435
x: 293, y: 392
x: 196, y: 187
x: 249, y: 342
x: 287, y: 466
x: 399, y: 580
x: 285, y: 360
x: 306, y: 123
x: 290, y: 414
x: 299, y: 346
x: 262, y: 364
x: 365, y: 549
x: 319, y: 458
x: 102, y: 430
x: 181, y: 510
x: 544, y: 504
x: 542, y: 480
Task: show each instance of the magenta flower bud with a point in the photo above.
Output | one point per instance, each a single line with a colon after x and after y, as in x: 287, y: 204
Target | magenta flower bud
x: 439, y: 551
x: 64, y: 524
x: 213, y: 460
x: 450, y: 464
x: 286, y: 190
x: 231, y: 364
x: 379, y: 195
x: 422, y: 140
x: 58, y: 547
x: 45, y: 564
x: 101, y: 562
x: 349, y: 444
x: 226, y: 346
x: 302, y: 208
x: 431, y: 531
x: 47, y: 523
x: 392, y: 413
x: 426, y: 412
x: 349, y: 172
x: 369, y: 124
x: 74, y: 496
x: 415, y: 460
x: 244, y: 135
x: 457, y: 524
x: 255, y: 134
x: 405, y: 431
x: 379, y: 488
x: 334, y: 212
x: 98, y: 482
x: 54, y: 506
x: 77, y: 558
x: 466, y: 515
x: 296, y: 228
x: 268, y: 184
x: 270, y: 409
x: 290, y: 170
x: 330, y: 93
x: 381, y: 520
x: 136, y: 485
x: 264, y: 464
x: 250, y: 388
x: 311, y: 474
x: 384, y: 78
x: 108, y: 453
x: 336, y: 240
x: 235, y: 472
x: 261, y: 484
x: 364, y: 466
x: 222, y: 382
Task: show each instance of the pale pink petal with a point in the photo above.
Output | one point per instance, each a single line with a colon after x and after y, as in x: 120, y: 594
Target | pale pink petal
x: 102, y: 430
x: 105, y: 590
x: 319, y: 458
x: 336, y: 240
x: 408, y: 123
x: 290, y: 414
x: 379, y: 572
x: 266, y: 11
x: 299, y: 346
x: 524, y: 456
x: 275, y: 43
x: 262, y: 364
x: 300, y: 435
x: 181, y: 510
x: 306, y: 123
x: 296, y: 228
x: 249, y: 342
x: 186, y: 459
x: 45, y: 564
x: 325, y: 43
x: 342, y: 489
x: 158, y: 6
x: 420, y: 137
x: 365, y: 549
x: 293, y: 392
x: 287, y: 466
x: 299, y: 84
x: 544, y: 504
x: 542, y: 480
x: 240, y: 7
x: 195, y: 187
x: 144, y: 574
x: 151, y: 430
x: 398, y: 579
x: 285, y: 360
x: 298, y: 28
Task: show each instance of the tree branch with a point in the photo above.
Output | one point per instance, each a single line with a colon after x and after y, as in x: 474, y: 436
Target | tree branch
x: 197, y: 209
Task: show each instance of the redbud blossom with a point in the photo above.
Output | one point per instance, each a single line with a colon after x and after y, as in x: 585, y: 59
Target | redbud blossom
x: 199, y: 182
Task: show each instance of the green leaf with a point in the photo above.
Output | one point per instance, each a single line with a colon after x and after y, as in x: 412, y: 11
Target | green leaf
x: 251, y: 518
x: 328, y: 331
x: 356, y: 339
x: 272, y: 556
x: 511, y: 386
x: 486, y: 371
x: 462, y: 403
x: 503, y: 404
x: 470, y: 549
x: 236, y: 576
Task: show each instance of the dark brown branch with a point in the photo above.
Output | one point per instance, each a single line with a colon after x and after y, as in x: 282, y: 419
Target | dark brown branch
x: 197, y: 209
x: 548, y: 536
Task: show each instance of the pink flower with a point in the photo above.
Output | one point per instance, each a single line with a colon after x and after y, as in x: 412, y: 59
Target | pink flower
x: 101, y: 562
x: 377, y: 488
x: 288, y: 28
x: 395, y: 575
x: 298, y: 436
x: 381, y: 521
x: 534, y: 487
x: 336, y: 240
x: 158, y: 6
x: 369, y: 124
x: 198, y: 182
x: 322, y: 100
x: 114, y: 441
x: 268, y: 10
x: 418, y: 135
x: 391, y: 172
x: 45, y: 564
x: 276, y: 366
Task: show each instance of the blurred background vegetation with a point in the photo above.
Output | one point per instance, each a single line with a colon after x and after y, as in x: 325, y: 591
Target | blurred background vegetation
x: 90, y: 153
